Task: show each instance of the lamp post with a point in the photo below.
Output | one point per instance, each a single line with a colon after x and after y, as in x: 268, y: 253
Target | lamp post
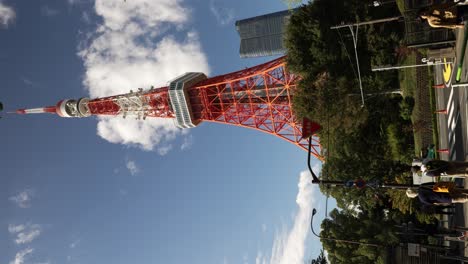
x: 314, y: 211
x: 358, y: 183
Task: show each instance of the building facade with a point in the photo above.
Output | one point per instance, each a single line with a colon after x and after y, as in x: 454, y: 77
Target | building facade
x: 263, y: 35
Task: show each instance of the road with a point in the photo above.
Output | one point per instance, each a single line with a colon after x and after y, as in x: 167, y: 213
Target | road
x: 452, y: 126
x: 452, y: 123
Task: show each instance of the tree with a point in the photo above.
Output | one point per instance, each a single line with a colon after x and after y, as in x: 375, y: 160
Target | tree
x: 366, y: 227
x: 358, y: 142
x: 321, y: 259
x: 292, y: 3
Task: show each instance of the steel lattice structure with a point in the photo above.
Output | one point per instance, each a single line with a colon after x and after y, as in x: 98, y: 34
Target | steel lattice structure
x: 259, y: 98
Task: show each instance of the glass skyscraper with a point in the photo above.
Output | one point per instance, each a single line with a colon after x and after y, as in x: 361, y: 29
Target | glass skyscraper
x: 263, y: 35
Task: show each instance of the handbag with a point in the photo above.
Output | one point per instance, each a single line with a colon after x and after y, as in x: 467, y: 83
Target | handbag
x: 443, y: 187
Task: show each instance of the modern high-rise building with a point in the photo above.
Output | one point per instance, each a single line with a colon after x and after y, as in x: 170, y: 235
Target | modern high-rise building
x: 263, y: 35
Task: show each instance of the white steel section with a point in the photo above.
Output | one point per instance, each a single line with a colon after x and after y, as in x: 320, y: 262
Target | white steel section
x: 34, y: 111
x: 82, y: 107
x: 133, y: 104
x: 62, y: 108
x: 179, y: 98
x: 73, y: 108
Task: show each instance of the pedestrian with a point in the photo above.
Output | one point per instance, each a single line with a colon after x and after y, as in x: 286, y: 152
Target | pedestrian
x: 446, y: 15
x: 437, y: 168
x: 431, y: 194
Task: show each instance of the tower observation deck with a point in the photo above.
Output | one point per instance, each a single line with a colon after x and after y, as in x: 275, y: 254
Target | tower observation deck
x: 259, y: 98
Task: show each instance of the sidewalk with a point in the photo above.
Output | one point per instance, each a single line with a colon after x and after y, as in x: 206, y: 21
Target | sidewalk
x: 461, y: 211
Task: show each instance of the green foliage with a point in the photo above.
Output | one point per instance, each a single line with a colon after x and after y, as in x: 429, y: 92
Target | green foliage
x: 407, y: 206
x: 326, y: 101
x: 321, y: 259
x: 309, y: 39
x: 292, y: 3
x: 401, y: 202
x: 373, y: 143
x: 406, y: 108
x: 341, y: 232
x: 396, y: 140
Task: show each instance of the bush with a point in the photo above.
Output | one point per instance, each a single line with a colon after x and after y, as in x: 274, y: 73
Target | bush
x: 406, y: 108
x: 395, y: 141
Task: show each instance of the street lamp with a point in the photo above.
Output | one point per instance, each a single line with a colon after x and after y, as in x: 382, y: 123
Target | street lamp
x: 314, y: 211
x: 359, y: 183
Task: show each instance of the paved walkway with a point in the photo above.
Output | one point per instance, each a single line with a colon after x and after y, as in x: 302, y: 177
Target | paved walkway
x: 453, y: 127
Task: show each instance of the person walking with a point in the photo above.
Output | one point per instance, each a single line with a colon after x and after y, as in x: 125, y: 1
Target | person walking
x: 438, y: 168
x: 434, y: 194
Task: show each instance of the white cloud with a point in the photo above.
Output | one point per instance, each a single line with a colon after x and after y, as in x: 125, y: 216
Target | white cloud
x: 27, y: 81
x: 145, y: 134
x: 7, y: 15
x: 132, y: 48
x: 27, y: 237
x: 24, y: 233
x: 264, y: 228
x: 188, y: 142
x: 21, y: 256
x: 289, y: 246
x: 85, y: 16
x: 260, y: 258
x: 75, y: 2
x: 49, y: 11
x: 245, y: 259
x: 23, y: 199
x: 223, y: 15
x: 163, y: 150
x: 74, y: 244
x: 132, y: 167
x: 15, y: 228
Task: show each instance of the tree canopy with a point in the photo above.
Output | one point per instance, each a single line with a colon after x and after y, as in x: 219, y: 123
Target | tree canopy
x: 321, y: 259
x: 370, y: 228
x: 373, y: 142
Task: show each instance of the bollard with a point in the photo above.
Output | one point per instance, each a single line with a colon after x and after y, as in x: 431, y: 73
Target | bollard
x: 446, y: 151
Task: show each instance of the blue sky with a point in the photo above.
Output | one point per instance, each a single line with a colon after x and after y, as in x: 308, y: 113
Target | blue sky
x: 123, y: 191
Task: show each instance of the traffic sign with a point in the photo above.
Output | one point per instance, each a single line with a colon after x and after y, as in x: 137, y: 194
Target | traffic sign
x: 309, y: 127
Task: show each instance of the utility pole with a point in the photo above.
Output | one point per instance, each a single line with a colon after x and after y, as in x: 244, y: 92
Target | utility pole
x: 425, y: 63
x: 351, y: 28
x: 355, y: 36
x: 386, y: 68
x: 370, y: 22
x: 380, y: 93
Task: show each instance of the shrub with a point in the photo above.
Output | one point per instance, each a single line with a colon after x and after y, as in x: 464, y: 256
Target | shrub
x: 406, y: 108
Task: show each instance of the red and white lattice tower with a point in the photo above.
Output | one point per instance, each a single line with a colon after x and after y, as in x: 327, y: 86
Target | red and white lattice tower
x: 259, y: 97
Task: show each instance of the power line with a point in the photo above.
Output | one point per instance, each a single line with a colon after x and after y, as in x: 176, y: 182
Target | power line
x: 347, y: 54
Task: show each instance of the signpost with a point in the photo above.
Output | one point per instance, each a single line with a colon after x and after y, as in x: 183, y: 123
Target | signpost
x: 309, y: 128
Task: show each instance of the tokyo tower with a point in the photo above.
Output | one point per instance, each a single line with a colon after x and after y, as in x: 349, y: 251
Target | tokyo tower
x: 259, y: 98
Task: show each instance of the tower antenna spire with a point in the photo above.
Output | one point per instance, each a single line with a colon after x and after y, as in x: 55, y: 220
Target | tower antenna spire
x: 258, y: 98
